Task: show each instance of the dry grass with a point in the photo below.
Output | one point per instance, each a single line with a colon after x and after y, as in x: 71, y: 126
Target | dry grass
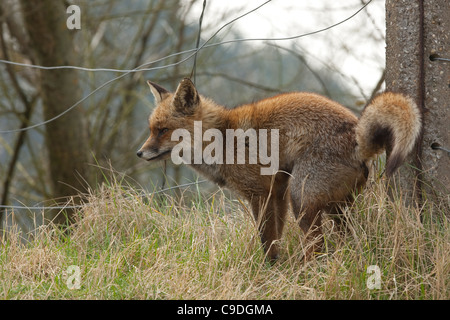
x: 128, y: 247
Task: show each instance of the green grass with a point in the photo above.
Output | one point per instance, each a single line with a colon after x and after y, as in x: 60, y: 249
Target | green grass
x: 202, y: 247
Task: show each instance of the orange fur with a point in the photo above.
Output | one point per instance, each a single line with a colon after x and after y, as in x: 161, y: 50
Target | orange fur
x: 323, y: 150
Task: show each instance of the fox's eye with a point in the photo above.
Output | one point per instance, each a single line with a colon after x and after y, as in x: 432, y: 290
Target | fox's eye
x: 162, y: 131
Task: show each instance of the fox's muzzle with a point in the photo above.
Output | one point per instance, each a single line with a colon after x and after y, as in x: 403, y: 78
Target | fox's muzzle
x: 150, y: 155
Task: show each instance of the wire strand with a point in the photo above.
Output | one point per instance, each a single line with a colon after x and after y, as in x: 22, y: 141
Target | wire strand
x: 33, y: 66
x: 200, y: 22
x: 41, y: 208
x: 440, y: 59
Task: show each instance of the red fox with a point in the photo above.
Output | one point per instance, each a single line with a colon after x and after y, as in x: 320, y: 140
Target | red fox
x: 322, y: 153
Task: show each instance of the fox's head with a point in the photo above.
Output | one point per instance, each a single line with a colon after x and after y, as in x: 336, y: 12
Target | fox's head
x: 173, y: 111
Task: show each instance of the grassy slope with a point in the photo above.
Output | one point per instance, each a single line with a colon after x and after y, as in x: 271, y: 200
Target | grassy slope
x: 127, y: 248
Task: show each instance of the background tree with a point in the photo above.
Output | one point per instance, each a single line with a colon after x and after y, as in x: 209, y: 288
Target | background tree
x: 51, y: 43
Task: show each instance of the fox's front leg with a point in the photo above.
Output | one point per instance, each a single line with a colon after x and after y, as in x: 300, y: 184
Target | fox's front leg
x: 265, y: 215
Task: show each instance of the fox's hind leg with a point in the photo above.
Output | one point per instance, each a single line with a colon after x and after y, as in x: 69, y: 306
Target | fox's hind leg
x: 309, y: 217
x: 307, y: 206
x: 336, y: 213
x: 318, y: 185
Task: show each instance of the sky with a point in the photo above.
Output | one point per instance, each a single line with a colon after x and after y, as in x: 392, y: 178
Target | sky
x: 349, y: 47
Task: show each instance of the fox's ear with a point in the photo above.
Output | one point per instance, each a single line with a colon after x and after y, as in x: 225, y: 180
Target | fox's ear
x: 186, y: 98
x: 158, y: 92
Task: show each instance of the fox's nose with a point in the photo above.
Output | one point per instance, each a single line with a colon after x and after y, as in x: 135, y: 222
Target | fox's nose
x: 139, y: 153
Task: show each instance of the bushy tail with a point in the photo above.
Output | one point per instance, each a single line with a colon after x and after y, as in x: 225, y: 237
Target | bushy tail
x: 391, y: 122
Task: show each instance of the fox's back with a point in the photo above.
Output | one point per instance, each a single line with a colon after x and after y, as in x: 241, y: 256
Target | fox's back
x: 285, y: 111
x: 306, y: 121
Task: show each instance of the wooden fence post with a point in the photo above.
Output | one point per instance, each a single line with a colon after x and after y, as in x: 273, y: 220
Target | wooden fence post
x: 417, y: 49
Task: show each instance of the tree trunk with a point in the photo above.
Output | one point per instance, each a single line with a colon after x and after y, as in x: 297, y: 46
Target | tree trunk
x: 417, y: 33
x: 66, y: 137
